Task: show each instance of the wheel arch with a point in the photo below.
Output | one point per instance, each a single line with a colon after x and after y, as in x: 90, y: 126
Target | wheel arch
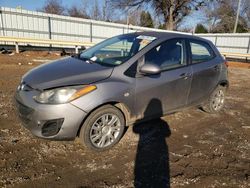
x: 224, y: 83
x: 121, y: 106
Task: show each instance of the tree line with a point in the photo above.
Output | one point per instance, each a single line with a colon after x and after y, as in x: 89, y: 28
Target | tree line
x: 218, y: 16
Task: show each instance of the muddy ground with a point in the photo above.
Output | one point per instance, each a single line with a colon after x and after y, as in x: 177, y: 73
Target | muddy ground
x: 190, y: 148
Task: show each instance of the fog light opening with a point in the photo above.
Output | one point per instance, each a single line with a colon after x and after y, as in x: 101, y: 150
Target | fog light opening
x: 52, y: 127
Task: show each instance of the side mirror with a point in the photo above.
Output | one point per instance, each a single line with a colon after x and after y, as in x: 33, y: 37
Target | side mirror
x: 150, y: 69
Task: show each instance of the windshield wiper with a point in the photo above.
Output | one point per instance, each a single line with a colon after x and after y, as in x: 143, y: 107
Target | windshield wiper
x: 88, y: 60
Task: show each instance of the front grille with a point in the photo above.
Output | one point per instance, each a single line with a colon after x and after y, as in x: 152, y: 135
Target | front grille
x: 24, y: 112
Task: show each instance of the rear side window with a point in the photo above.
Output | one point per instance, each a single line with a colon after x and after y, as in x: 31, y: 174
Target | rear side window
x: 201, y: 52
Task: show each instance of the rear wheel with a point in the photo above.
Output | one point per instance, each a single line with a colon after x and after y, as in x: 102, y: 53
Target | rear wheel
x: 103, y: 128
x: 216, y: 101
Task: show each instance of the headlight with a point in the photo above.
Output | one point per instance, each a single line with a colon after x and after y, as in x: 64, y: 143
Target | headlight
x: 63, y: 95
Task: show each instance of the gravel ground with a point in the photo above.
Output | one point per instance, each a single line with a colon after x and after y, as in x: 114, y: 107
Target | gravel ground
x: 186, y: 149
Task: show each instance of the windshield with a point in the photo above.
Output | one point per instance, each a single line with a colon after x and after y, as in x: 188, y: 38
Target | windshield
x: 116, y: 50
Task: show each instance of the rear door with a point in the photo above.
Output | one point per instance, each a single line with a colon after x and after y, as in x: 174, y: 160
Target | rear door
x: 205, y: 68
x: 158, y: 94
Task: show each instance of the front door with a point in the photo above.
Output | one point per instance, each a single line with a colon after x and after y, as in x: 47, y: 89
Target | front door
x: 167, y: 91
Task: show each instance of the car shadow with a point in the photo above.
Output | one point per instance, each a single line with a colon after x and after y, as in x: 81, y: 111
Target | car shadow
x: 152, y: 157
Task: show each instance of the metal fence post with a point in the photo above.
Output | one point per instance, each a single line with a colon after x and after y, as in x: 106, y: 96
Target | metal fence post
x: 90, y: 32
x: 215, y: 42
x: 1, y: 13
x: 76, y: 49
x: 17, y: 47
x: 49, y: 27
x: 248, y: 49
x: 49, y: 30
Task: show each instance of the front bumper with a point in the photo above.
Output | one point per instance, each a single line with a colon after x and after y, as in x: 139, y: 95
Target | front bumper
x: 55, y: 122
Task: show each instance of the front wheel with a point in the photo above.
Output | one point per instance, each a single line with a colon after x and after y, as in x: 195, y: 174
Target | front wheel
x: 103, y: 128
x: 216, y: 100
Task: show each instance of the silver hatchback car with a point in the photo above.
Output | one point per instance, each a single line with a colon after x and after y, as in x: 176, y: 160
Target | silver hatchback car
x: 125, y: 79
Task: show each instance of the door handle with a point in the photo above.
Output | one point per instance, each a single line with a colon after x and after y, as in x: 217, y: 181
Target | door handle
x: 217, y: 68
x: 185, y: 76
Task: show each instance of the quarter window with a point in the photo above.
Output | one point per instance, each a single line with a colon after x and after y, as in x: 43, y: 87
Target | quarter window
x: 170, y: 54
x: 201, y: 52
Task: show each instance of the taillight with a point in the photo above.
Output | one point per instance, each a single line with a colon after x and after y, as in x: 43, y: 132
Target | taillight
x: 226, y: 63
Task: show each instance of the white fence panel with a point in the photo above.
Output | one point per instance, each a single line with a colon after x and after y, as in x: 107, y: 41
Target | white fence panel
x: 238, y: 43
x: 33, y: 24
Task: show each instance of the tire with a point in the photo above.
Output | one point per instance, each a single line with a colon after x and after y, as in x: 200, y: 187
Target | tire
x: 216, y: 101
x: 103, y: 128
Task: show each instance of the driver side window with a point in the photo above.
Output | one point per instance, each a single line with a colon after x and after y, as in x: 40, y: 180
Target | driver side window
x: 169, y: 54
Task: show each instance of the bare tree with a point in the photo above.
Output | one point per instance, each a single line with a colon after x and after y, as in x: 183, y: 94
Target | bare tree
x: 109, y: 12
x: 245, y: 11
x: 75, y: 11
x: 105, y: 13
x: 221, y: 15
x: 53, y: 7
x: 172, y: 11
x: 146, y: 19
x: 212, y: 17
x: 133, y: 17
x: 96, y: 12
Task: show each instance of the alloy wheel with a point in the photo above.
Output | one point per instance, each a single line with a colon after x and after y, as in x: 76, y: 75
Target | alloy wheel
x: 105, y: 130
x: 218, y: 100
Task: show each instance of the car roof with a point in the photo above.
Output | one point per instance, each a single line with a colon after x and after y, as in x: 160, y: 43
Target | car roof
x: 169, y: 35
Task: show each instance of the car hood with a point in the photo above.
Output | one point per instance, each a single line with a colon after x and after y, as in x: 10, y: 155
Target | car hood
x: 65, y: 72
